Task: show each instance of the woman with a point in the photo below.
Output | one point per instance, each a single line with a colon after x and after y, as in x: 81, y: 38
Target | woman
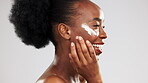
x: 75, y: 27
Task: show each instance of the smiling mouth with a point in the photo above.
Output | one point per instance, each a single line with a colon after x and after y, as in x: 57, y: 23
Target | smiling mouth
x: 98, y: 48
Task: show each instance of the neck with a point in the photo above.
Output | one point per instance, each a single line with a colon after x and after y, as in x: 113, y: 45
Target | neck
x: 62, y: 63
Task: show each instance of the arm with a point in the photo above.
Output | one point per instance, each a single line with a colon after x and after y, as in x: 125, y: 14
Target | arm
x: 96, y: 79
x: 82, y: 80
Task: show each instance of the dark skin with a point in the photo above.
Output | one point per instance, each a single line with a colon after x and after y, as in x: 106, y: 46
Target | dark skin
x: 74, y: 57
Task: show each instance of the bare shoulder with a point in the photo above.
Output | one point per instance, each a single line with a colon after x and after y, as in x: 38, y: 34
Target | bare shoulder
x: 51, y: 79
x: 54, y: 79
x: 49, y: 76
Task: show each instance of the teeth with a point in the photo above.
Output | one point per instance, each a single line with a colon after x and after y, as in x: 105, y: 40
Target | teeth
x: 98, y: 46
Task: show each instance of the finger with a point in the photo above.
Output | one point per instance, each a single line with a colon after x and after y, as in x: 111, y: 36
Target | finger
x: 79, y: 52
x: 74, y: 55
x: 84, y: 49
x: 73, y: 63
x: 91, y: 50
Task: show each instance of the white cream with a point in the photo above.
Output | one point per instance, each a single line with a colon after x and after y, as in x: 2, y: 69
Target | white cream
x: 89, y: 30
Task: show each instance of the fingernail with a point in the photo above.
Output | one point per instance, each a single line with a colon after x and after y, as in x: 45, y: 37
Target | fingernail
x: 77, y: 37
x: 87, y: 41
x: 72, y: 44
x: 80, y: 38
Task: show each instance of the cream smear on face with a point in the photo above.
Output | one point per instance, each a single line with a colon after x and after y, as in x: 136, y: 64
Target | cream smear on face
x: 89, y: 30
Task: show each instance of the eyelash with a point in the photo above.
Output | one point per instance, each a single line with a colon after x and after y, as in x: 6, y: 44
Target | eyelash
x: 98, y: 26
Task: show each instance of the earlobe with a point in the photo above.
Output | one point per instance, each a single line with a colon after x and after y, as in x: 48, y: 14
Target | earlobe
x: 64, y: 30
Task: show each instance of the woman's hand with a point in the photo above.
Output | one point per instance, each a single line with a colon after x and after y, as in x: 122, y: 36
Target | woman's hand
x: 83, y: 59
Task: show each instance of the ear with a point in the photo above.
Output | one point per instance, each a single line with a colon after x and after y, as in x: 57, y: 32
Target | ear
x: 64, y: 30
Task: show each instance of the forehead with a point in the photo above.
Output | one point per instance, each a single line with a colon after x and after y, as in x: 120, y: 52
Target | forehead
x: 88, y: 11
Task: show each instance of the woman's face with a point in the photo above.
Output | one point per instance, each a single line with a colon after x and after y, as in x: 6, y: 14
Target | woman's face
x: 89, y: 25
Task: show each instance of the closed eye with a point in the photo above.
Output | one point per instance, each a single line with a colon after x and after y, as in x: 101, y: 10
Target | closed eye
x: 96, y: 25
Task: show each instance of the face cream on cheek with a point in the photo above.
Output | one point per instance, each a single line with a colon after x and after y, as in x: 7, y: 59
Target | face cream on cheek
x: 89, y: 30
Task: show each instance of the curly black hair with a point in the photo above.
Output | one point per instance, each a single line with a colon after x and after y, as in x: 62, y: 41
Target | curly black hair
x: 33, y: 19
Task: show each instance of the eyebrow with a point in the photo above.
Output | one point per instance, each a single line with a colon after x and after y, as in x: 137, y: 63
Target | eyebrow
x: 96, y: 19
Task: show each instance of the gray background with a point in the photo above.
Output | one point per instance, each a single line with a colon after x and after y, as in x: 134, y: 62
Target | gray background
x: 125, y: 54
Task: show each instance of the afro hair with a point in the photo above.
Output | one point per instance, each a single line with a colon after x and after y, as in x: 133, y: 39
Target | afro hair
x: 33, y: 19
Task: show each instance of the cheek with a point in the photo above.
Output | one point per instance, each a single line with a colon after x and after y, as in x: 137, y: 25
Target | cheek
x: 88, y: 33
x: 90, y: 38
x: 86, y: 36
x: 89, y: 30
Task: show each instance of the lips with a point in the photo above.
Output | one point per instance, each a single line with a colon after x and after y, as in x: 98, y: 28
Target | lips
x: 98, y: 48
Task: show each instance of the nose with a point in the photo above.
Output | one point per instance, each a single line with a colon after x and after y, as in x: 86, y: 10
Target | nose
x: 102, y: 33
